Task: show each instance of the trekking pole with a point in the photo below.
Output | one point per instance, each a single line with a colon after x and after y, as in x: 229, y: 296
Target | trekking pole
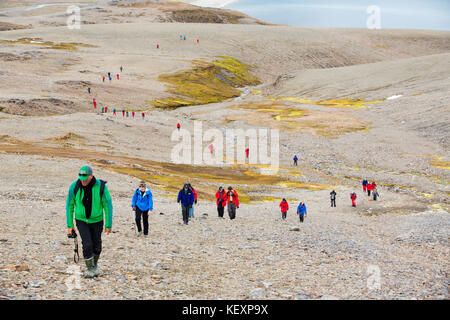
x: 76, y: 255
x: 135, y: 226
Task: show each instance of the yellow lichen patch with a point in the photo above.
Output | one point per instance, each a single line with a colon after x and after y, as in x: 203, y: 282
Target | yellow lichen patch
x: 441, y: 164
x: 70, y: 46
x: 354, y: 104
x: 283, y: 117
x: 206, y: 82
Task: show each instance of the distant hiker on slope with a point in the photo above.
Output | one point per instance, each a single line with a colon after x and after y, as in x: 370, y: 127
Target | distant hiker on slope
x: 123, y: 113
x: 121, y: 69
x: 142, y: 203
x: 353, y: 197
x: 211, y: 148
x: 178, y: 126
x: 106, y: 109
x: 94, y: 102
x: 370, y: 187
x: 132, y: 114
x: 284, y: 205
x: 186, y: 198
x: 375, y: 194
x: 364, y: 185
x: 301, y: 211
x: 143, y: 115
x: 89, y: 90
x: 247, y: 152
x: 191, y: 209
x: 333, y: 198
x: 89, y: 198
x: 295, y: 160
x: 103, y: 78
x: 232, y: 202
x: 115, y: 111
x: 221, y: 200
x: 117, y: 76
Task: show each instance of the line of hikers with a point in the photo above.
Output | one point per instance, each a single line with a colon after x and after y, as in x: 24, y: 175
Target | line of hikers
x: 88, y: 198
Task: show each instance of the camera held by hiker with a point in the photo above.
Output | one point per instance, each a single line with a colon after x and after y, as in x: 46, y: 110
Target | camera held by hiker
x: 89, y: 197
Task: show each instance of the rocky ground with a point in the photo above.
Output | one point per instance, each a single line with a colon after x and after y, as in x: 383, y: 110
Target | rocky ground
x: 352, y: 104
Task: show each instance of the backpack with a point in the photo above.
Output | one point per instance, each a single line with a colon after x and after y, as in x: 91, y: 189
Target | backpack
x: 102, y: 188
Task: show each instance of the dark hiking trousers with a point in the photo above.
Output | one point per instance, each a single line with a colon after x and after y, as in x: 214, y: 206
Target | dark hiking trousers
x: 220, y: 210
x: 283, y: 215
x: 144, y: 215
x: 333, y: 202
x: 232, y: 210
x: 185, y: 212
x: 302, y: 217
x: 91, y: 237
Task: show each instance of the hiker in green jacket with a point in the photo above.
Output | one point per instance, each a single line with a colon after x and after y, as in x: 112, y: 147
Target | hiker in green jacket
x: 89, y: 197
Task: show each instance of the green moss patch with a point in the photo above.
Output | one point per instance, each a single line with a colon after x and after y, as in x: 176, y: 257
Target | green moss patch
x: 206, y: 82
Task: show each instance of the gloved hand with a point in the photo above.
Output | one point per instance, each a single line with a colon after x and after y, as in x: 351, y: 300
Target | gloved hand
x: 69, y: 231
x: 107, y: 231
x: 195, y: 201
x: 237, y: 207
x: 134, y: 208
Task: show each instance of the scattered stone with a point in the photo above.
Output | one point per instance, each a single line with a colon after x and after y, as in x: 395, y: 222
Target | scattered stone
x: 293, y: 228
x: 16, y: 268
x: 302, y: 296
x: 257, y: 293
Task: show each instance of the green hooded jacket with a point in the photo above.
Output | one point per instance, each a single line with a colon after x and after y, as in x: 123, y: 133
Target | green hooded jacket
x: 98, y: 205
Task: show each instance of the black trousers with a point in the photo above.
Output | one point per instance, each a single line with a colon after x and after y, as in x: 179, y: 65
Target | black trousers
x: 333, y: 202
x: 91, y: 237
x: 220, y: 210
x: 302, y: 217
x: 232, y: 210
x: 283, y: 215
x: 185, y: 213
x: 144, y: 215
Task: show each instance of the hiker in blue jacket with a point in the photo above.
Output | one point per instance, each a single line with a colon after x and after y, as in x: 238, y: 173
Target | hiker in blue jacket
x: 186, y: 198
x: 142, y: 203
x: 295, y: 160
x: 301, y: 211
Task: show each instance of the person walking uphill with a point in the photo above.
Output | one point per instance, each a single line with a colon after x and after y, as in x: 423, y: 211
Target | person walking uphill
x: 191, y: 209
x: 295, y: 160
x: 353, y: 197
x: 301, y: 211
x: 186, y: 198
x: 142, y: 203
x: 364, y: 185
x: 89, y: 197
x: 333, y: 198
x: 232, y: 202
x: 284, y: 205
x: 221, y: 197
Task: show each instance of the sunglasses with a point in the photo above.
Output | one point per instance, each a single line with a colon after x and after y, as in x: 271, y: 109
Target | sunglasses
x: 83, y: 175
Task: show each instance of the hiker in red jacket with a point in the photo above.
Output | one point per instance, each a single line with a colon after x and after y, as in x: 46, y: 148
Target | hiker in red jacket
x: 370, y: 187
x: 191, y: 209
x: 246, y: 152
x: 221, y: 200
x: 178, y: 126
x: 117, y: 76
x: 211, y: 148
x: 132, y: 114
x: 95, y: 103
x: 353, y: 197
x: 103, y: 78
x: 143, y: 115
x: 284, y: 208
x: 232, y: 202
x: 123, y: 113
x: 106, y: 109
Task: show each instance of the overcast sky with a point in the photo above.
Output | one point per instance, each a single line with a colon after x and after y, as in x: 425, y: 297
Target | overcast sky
x: 403, y: 14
